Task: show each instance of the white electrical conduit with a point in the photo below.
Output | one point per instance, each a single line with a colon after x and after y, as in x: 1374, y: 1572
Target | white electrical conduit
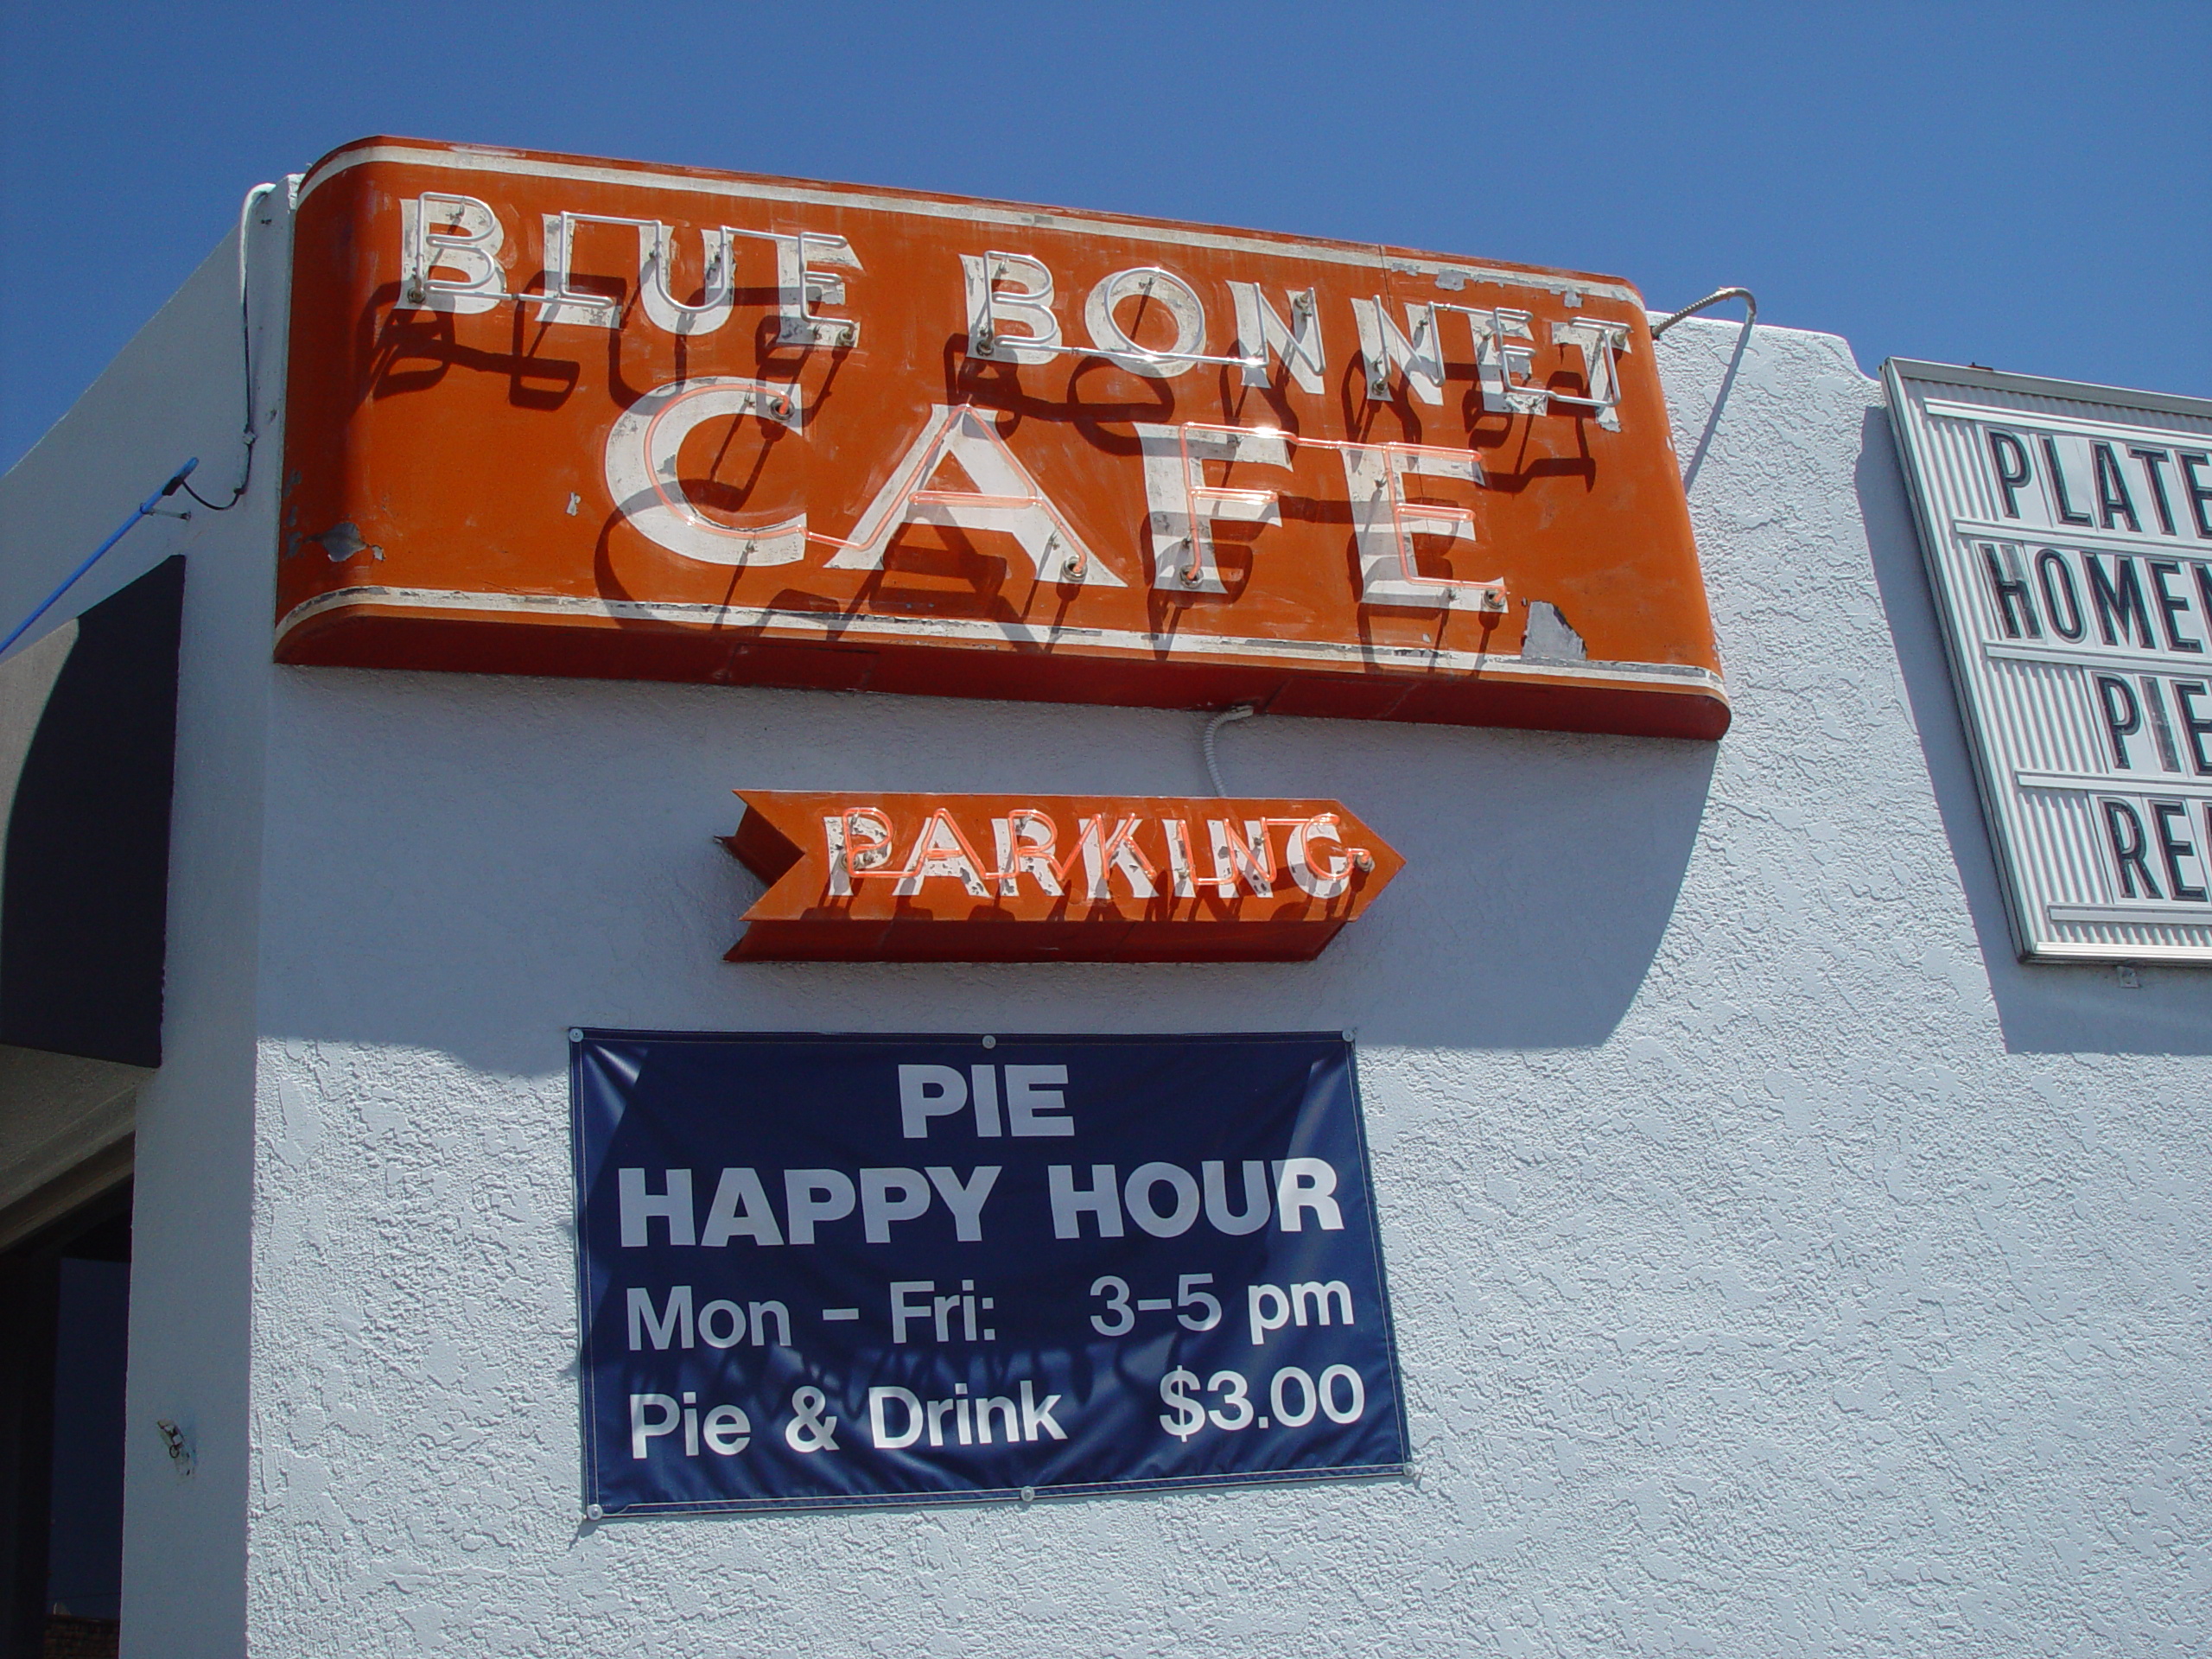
x: 152, y: 508
x: 251, y: 431
x: 1727, y: 380
x: 1226, y: 717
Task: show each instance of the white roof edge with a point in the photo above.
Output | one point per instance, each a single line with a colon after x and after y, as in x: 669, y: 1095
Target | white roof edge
x: 2036, y: 385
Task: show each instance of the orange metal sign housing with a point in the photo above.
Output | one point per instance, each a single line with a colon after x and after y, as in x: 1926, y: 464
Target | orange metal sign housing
x: 557, y: 415
x: 1016, y: 878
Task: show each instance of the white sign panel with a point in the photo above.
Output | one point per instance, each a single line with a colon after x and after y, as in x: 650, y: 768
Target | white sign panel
x: 2068, y: 535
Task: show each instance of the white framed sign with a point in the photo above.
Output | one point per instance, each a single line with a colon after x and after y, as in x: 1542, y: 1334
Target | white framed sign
x: 2068, y: 530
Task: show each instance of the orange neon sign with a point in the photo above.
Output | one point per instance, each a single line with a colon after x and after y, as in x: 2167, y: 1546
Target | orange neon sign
x: 1007, y: 878
x: 549, y: 415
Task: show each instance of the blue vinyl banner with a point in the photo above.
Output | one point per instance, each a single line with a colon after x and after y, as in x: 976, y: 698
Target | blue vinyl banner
x: 882, y: 1269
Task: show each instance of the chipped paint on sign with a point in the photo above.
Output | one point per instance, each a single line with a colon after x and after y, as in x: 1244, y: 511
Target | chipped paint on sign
x: 606, y: 420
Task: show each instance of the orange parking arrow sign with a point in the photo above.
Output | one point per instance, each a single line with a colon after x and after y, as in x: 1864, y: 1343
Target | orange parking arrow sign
x: 865, y: 877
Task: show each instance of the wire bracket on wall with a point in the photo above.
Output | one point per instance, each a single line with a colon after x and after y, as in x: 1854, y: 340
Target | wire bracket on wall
x: 1720, y: 296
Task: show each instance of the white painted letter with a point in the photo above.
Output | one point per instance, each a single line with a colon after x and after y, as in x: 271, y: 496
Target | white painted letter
x: 928, y: 1092
x: 470, y: 243
x: 801, y: 285
x: 1005, y: 499
x: 1102, y: 852
x: 1599, y: 343
x: 561, y: 303
x: 1151, y: 285
x: 1251, y: 857
x: 1315, y: 881
x: 657, y: 286
x: 1260, y: 331
x: 1384, y: 523
x: 1181, y: 506
x: 990, y: 307
x: 1026, y: 840
x: 1503, y: 366
x: 941, y: 849
x: 641, y: 460
x: 1381, y: 349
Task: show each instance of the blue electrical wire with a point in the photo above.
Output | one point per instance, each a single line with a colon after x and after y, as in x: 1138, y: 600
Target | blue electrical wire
x: 146, y: 508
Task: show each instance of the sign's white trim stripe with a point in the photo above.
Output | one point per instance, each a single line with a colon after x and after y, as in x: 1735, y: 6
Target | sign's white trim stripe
x: 2037, y: 420
x: 477, y: 161
x: 814, y: 625
x: 2089, y: 783
x: 1912, y: 372
x: 2080, y: 536
x: 2135, y: 950
x: 2088, y: 658
x: 2138, y: 915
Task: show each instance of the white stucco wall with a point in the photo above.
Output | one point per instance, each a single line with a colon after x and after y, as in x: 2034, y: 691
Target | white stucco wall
x: 1778, y: 1267
x: 175, y: 391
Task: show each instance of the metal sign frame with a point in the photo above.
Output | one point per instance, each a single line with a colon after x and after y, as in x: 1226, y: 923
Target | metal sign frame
x: 2067, y: 531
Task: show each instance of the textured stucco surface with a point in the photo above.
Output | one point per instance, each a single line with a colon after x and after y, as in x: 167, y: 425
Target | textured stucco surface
x: 172, y: 393
x: 1778, y: 1267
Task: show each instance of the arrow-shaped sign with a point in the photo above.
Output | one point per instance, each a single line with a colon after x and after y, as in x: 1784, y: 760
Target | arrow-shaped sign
x: 859, y: 877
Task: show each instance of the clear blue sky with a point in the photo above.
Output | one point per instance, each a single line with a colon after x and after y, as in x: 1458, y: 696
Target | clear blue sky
x: 2025, y: 185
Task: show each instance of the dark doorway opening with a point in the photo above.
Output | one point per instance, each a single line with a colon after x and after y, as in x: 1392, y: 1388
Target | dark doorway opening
x: 64, y: 1312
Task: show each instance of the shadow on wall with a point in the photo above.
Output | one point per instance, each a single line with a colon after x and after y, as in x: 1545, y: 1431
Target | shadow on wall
x: 1542, y: 869
x: 1533, y: 902
x: 2041, y: 1007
